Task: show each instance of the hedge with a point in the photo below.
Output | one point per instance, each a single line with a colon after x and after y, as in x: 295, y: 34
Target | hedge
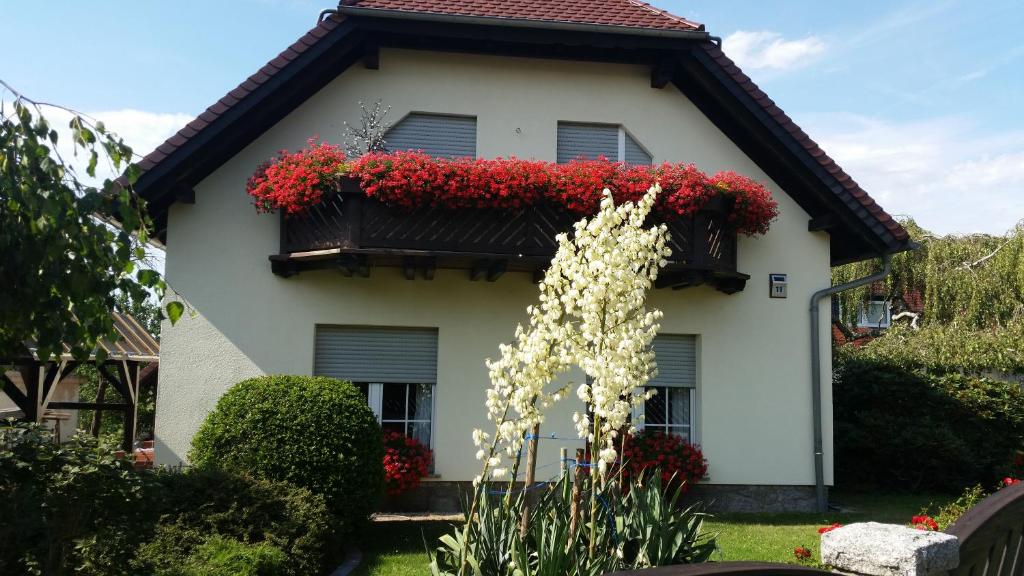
x: 909, y: 430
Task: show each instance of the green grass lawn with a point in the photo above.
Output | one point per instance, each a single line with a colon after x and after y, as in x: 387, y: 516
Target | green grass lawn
x: 396, y: 548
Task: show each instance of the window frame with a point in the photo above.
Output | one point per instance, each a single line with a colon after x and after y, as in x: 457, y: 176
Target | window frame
x: 640, y: 413
x: 423, y: 113
x: 375, y: 400
x: 862, y: 316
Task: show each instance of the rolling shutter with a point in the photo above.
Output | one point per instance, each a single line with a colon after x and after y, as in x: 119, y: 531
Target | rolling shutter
x: 589, y: 141
x: 435, y: 134
x: 635, y: 154
x: 677, y: 361
x: 365, y: 354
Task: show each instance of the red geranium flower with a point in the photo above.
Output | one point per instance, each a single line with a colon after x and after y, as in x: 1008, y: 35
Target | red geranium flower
x: 924, y: 523
x: 412, y: 180
x: 824, y: 529
x: 406, y: 462
x: 802, y: 553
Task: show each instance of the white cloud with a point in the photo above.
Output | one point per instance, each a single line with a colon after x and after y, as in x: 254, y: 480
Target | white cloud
x: 763, y: 49
x: 140, y: 129
x: 939, y: 171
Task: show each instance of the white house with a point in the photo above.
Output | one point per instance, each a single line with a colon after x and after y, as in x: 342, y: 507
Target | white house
x: 412, y: 321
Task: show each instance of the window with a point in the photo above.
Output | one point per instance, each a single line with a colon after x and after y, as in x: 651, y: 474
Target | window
x: 875, y: 313
x: 670, y: 410
x: 674, y: 405
x: 405, y: 408
x: 592, y: 141
x: 438, y: 135
x: 394, y: 368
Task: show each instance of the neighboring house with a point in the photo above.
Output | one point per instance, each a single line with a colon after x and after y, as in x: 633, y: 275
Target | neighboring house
x: 411, y: 320
x: 876, y: 314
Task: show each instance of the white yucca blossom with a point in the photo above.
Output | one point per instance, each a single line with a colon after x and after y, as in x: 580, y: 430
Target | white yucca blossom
x: 591, y: 313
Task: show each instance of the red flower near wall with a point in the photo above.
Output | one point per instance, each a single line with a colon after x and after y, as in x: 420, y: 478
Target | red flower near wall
x: 413, y: 179
x: 676, y: 459
x: 406, y: 462
x: 802, y: 553
x: 293, y: 182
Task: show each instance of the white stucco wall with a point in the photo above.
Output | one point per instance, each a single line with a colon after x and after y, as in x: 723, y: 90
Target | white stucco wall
x: 754, y: 409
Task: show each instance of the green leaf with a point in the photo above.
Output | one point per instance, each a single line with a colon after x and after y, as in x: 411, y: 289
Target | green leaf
x: 174, y: 311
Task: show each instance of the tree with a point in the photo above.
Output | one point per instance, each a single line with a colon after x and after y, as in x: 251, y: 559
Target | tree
x: 592, y: 313
x: 972, y: 288
x: 68, y: 246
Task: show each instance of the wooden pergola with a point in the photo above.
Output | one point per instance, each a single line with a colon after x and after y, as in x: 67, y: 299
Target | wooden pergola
x: 123, y: 368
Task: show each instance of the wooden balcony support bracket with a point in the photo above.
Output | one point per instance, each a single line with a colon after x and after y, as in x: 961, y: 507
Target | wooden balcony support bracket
x: 409, y: 267
x: 429, y: 267
x: 479, y: 269
x: 497, y: 268
x: 354, y: 265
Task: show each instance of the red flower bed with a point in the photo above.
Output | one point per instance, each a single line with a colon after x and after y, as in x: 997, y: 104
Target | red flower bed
x: 295, y: 181
x: 413, y: 179
x: 676, y: 459
x: 924, y: 523
x: 406, y: 462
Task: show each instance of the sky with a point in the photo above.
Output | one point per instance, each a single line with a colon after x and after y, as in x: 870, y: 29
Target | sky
x: 921, y: 102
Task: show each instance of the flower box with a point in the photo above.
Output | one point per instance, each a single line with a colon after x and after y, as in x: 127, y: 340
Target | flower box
x: 364, y: 231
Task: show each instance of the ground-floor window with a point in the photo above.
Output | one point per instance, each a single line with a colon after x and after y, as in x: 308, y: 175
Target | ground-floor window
x: 670, y: 410
x: 673, y: 407
x: 402, y: 407
x: 394, y: 368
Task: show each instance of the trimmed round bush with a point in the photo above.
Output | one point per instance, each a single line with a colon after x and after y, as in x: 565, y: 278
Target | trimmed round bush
x: 314, y: 432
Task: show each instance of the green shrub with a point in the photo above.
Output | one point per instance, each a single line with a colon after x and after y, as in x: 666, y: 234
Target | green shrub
x: 949, y: 513
x: 220, y: 556
x: 67, y: 509
x: 200, y: 503
x: 313, y: 432
x: 904, y: 429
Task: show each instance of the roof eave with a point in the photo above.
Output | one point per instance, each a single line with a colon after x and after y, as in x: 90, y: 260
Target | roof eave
x: 356, y: 12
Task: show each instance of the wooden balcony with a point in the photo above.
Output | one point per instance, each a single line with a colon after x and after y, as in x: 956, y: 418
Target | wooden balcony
x: 355, y: 234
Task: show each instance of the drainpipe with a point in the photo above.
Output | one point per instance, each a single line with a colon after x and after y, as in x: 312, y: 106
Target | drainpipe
x: 819, y: 456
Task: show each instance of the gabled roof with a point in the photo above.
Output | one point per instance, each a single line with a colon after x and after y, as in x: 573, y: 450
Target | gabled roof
x: 625, y: 13
x: 678, y: 50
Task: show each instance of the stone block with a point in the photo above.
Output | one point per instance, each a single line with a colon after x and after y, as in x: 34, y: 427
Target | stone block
x: 889, y: 550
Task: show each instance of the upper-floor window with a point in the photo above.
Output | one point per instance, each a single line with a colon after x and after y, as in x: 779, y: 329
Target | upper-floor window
x: 439, y: 135
x: 394, y: 368
x: 591, y: 141
x: 875, y: 313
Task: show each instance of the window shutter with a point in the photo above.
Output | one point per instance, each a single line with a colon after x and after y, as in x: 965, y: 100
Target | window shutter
x: 365, y: 354
x: 635, y: 154
x: 435, y: 134
x: 587, y: 140
x: 677, y: 361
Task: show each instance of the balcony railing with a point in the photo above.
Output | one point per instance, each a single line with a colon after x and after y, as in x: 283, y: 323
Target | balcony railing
x: 353, y: 233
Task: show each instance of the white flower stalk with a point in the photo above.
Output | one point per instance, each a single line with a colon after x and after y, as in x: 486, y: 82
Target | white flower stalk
x: 591, y: 313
